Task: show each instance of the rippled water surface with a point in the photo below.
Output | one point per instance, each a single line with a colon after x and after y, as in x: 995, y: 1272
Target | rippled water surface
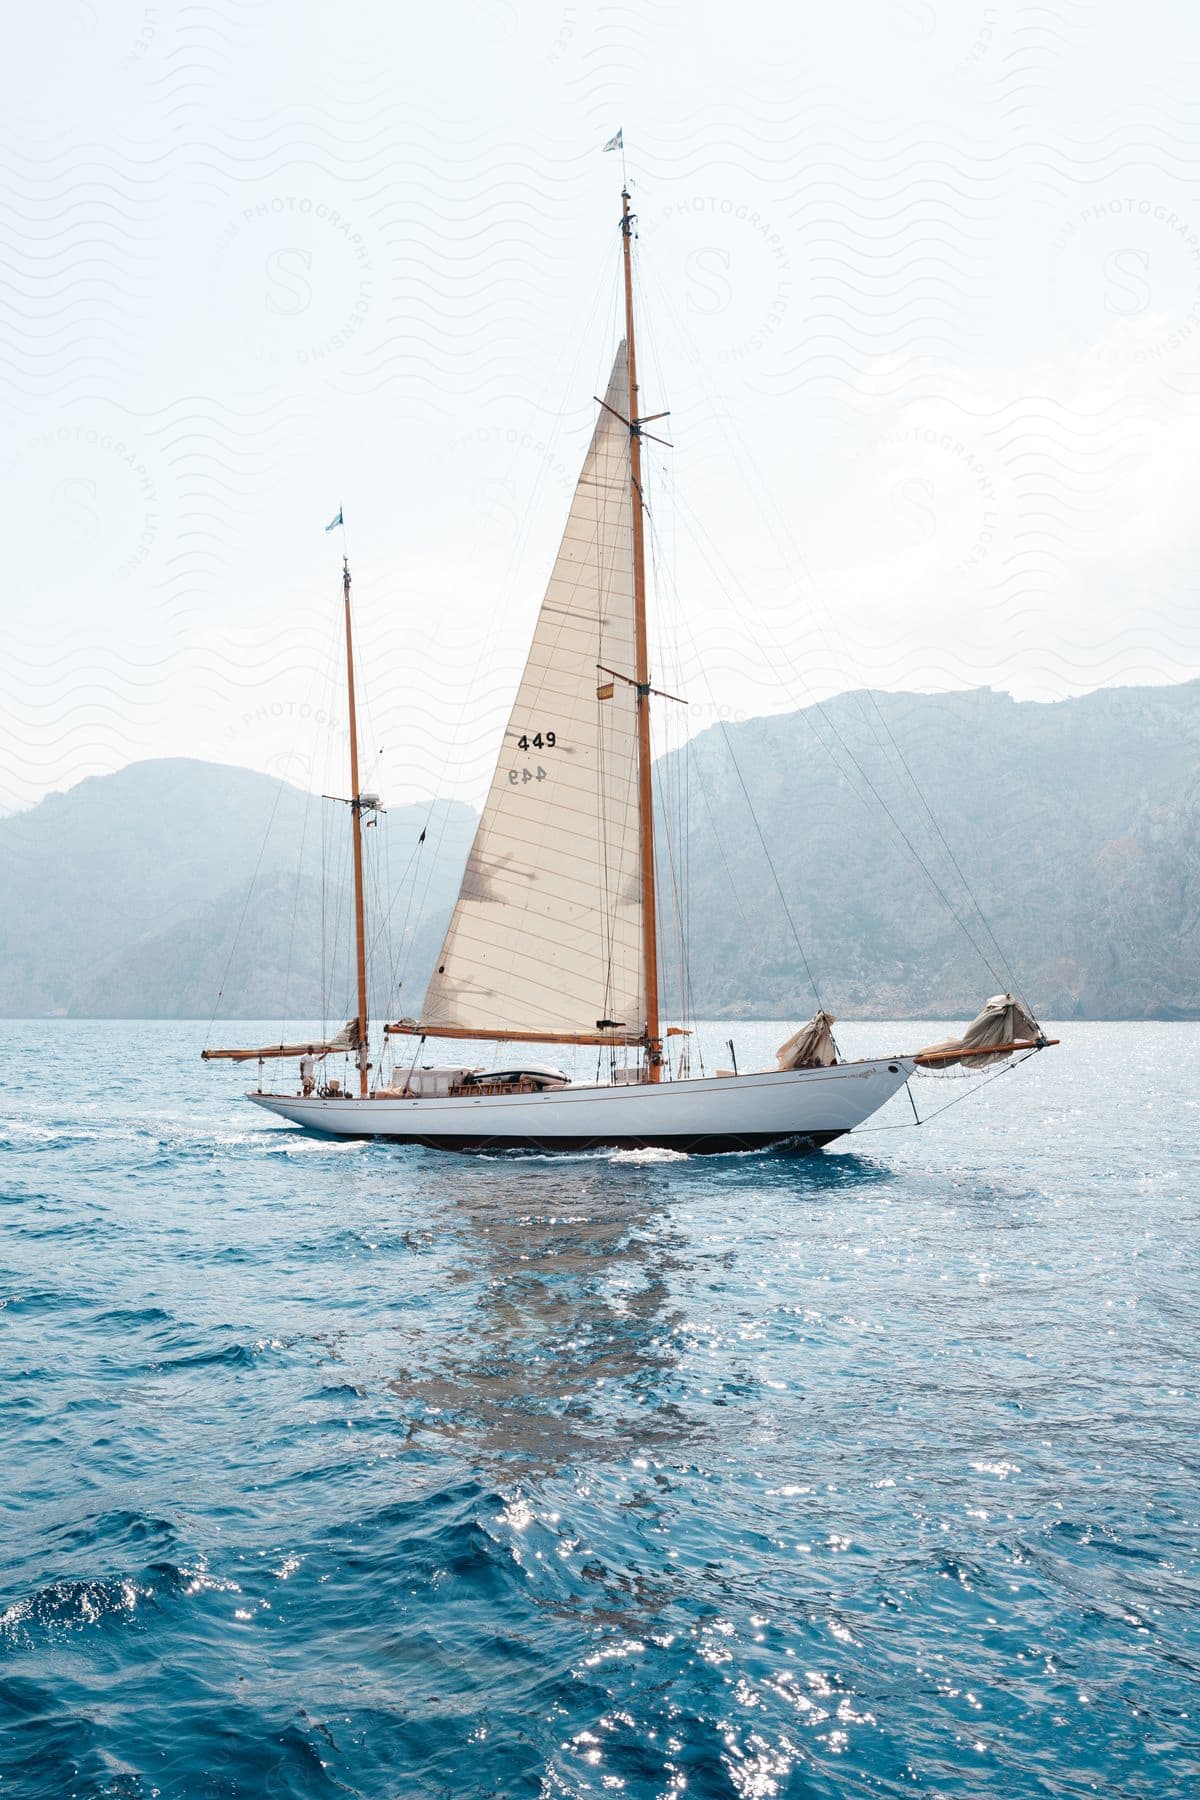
x: 340, y: 1469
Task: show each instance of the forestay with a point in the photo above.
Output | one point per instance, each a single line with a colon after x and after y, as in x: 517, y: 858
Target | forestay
x: 546, y: 939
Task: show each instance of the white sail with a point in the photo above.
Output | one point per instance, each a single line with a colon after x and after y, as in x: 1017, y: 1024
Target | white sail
x: 546, y: 938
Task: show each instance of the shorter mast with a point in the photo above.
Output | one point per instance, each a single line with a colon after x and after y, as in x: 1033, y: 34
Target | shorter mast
x: 356, y: 803
x: 642, y: 673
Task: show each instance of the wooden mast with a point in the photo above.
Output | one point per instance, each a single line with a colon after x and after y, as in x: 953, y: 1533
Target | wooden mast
x: 360, y: 932
x: 642, y: 673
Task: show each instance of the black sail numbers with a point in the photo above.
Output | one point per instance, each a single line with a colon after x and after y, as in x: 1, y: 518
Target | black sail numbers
x: 529, y: 743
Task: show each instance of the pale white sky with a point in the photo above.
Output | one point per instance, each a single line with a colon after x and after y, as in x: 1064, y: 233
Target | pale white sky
x: 921, y: 286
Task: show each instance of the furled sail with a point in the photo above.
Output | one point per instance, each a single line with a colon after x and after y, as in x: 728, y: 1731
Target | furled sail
x: 1003, y: 1023
x: 346, y: 1040
x: 546, y: 939
x: 812, y: 1047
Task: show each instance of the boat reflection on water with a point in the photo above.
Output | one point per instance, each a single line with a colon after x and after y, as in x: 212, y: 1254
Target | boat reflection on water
x: 590, y: 1301
x: 573, y: 1345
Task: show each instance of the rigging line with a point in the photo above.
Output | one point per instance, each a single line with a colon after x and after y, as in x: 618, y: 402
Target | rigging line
x: 401, y: 947
x: 407, y: 940
x: 673, y: 794
x: 686, y: 843
x: 429, y: 868
x: 680, y: 771
x: 340, y: 898
x: 378, y: 865
x: 607, y: 921
x: 332, y: 701
x: 318, y: 679
x: 603, y: 294
x: 770, y: 860
x: 674, y: 894
x: 968, y: 1094
x: 689, y: 751
x: 395, y: 888
x: 287, y: 974
x: 819, y: 707
x: 604, y: 564
x: 598, y: 288
x: 774, y: 525
x: 623, y: 822
x: 668, y: 787
x: 324, y: 946
x: 868, y: 696
x: 388, y: 953
x: 607, y: 914
x: 262, y: 850
x: 326, y: 882
x: 968, y: 889
x: 426, y: 867
x: 666, y: 587
x: 429, y: 863
x: 763, y: 843
x: 693, y: 764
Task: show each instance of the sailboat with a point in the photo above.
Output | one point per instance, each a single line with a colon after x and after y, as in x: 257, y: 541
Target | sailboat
x: 554, y: 939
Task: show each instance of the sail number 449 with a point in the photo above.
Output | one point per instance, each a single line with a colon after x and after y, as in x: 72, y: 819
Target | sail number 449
x: 541, y: 740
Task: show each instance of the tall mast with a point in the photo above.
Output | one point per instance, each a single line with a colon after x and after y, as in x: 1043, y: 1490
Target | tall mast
x: 642, y: 673
x: 360, y: 932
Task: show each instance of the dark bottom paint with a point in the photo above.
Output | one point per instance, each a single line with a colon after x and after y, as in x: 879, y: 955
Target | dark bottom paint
x: 790, y: 1144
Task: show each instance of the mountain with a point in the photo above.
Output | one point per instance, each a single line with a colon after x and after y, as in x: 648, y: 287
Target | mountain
x: 1076, y: 824
x: 177, y: 889
x: 172, y: 888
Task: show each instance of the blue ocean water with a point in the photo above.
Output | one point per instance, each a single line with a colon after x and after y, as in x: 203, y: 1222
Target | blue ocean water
x: 349, y: 1469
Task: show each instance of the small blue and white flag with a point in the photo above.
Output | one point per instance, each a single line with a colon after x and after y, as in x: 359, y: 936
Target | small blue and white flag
x: 334, y: 523
x: 615, y: 143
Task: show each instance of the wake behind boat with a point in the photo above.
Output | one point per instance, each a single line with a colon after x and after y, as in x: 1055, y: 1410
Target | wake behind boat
x: 555, y: 937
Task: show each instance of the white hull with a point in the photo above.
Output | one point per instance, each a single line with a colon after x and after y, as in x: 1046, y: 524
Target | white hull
x: 798, y: 1111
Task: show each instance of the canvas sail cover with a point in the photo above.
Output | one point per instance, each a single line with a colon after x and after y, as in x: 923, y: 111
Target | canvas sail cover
x: 1003, y: 1021
x: 346, y: 1040
x: 812, y: 1047
x: 546, y: 938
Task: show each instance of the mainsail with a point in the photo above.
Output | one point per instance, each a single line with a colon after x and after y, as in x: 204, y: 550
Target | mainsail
x: 546, y: 939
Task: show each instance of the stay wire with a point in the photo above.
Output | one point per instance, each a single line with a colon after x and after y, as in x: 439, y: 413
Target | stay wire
x: 601, y: 293
x: 657, y: 552
x: 770, y: 862
x: 968, y: 1094
x: 262, y: 850
x: 740, y: 453
x: 819, y: 707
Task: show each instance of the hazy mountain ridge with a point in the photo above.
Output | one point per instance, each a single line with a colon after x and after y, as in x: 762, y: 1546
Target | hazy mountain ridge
x: 127, y: 896
x: 1077, y: 824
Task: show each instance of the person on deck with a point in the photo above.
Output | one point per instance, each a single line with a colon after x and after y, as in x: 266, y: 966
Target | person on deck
x: 308, y: 1072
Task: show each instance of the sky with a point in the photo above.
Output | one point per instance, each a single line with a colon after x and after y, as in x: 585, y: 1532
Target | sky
x: 919, y: 285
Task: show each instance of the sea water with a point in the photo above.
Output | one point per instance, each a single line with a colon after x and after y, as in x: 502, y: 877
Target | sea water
x: 351, y: 1469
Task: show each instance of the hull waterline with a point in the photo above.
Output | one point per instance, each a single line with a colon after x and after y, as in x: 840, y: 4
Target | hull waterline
x: 797, y: 1111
